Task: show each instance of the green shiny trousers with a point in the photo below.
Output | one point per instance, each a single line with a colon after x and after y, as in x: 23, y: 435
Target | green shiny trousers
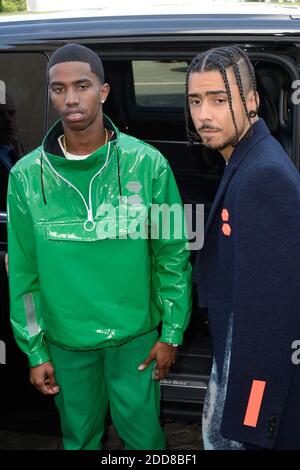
x: 90, y: 381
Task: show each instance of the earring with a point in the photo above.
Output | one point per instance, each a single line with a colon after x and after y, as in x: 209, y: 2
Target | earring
x: 252, y: 113
x: 102, y: 101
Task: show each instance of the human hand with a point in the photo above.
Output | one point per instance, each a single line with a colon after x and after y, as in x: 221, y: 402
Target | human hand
x: 43, y: 378
x: 165, y: 356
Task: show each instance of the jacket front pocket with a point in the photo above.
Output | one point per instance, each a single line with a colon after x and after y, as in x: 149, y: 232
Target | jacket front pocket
x: 104, y: 229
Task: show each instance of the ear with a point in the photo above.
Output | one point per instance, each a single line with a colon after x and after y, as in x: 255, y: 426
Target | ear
x: 104, y: 92
x: 253, y: 101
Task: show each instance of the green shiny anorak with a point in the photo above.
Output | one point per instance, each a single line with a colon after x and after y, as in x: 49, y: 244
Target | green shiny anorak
x: 82, y: 272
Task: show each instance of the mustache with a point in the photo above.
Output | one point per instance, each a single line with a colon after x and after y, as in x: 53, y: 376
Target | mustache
x: 208, y: 126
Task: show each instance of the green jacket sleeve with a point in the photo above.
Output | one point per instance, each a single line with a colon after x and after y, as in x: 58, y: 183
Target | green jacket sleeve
x: 171, y: 270
x: 25, y: 310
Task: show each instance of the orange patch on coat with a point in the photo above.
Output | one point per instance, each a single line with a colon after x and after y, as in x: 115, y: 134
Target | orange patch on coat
x: 226, y: 229
x: 225, y: 215
x: 254, y: 403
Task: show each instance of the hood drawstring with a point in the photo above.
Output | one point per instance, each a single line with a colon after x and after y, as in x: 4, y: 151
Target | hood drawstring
x: 42, y: 180
x: 42, y: 176
x: 90, y: 219
x: 119, y: 178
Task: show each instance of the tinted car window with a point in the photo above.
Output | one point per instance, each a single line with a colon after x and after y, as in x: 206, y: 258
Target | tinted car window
x: 24, y: 76
x: 159, y: 84
x: 22, y: 109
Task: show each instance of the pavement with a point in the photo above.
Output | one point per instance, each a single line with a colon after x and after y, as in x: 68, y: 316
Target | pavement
x: 180, y: 436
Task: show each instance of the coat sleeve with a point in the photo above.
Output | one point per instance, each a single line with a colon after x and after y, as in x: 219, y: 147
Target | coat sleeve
x: 25, y: 309
x: 266, y: 305
x: 171, y: 270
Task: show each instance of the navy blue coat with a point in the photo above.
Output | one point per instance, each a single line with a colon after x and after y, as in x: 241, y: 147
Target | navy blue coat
x: 248, y: 276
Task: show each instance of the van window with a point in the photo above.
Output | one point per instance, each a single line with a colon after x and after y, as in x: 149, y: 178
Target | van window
x: 159, y: 83
x: 23, y: 77
x: 23, y: 96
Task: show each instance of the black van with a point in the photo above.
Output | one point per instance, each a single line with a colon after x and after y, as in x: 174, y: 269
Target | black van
x: 145, y: 59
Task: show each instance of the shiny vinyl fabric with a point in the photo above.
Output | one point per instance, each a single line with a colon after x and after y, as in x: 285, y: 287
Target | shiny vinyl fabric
x: 79, y: 274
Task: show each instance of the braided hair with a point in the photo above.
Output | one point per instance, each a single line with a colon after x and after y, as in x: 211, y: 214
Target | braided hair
x: 221, y: 59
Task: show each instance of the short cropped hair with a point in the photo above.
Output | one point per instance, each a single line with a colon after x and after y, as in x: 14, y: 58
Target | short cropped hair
x: 77, y: 53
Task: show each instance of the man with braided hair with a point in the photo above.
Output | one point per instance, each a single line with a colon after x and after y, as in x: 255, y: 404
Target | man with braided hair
x: 248, y: 271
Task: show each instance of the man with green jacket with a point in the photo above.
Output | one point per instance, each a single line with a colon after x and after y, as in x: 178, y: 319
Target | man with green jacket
x: 88, y: 284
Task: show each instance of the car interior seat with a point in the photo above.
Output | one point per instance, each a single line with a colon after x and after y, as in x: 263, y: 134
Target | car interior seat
x: 274, y: 88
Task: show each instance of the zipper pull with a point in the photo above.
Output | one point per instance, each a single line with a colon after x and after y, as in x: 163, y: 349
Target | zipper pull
x: 89, y: 225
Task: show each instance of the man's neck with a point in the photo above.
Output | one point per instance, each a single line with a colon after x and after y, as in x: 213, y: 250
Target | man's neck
x: 228, y: 151
x: 87, y: 141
